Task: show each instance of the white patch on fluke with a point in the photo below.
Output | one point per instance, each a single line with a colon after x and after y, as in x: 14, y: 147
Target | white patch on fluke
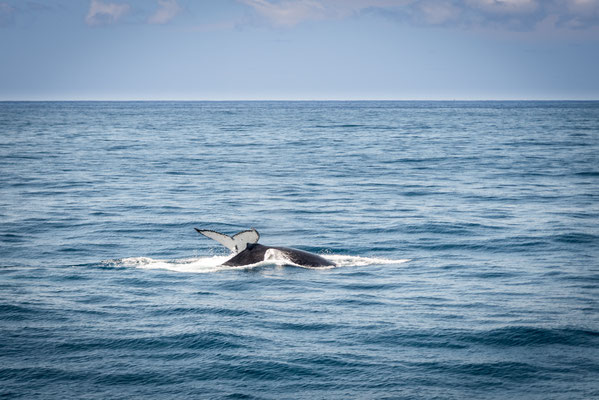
x: 213, y: 264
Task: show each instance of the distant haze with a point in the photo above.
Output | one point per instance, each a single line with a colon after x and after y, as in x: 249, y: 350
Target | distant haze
x: 298, y: 49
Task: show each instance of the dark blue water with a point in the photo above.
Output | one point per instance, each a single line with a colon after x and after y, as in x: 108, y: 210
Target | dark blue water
x: 106, y: 291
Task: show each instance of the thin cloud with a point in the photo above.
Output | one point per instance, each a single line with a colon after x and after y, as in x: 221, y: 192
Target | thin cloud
x: 531, y: 14
x: 503, y: 6
x: 101, y: 13
x: 434, y: 12
x: 507, y: 15
x: 580, y: 14
x: 11, y: 14
x: 288, y: 13
x: 167, y: 10
x: 7, y: 14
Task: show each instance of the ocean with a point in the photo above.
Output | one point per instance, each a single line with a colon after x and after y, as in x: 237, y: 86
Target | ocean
x: 466, y: 237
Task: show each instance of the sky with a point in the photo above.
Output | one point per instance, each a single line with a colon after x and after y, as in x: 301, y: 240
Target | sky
x: 299, y: 49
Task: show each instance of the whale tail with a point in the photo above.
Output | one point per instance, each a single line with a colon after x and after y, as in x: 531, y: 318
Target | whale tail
x: 236, y: 243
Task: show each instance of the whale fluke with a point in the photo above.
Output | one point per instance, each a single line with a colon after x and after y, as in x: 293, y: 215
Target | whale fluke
x: 236, y: 243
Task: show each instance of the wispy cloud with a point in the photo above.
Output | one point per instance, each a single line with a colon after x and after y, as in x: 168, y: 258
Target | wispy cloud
x: 529, y: 14
x: 7, y: 14
x: 503, y: 6
x: 288, y: 13
x: 101, y: 13
x: 580, y: 13
x: 434, y: 12
x: 167, y: 10
x: 510, y: 15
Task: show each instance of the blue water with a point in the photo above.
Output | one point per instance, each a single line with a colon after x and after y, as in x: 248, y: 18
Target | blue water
x: 466, y: 233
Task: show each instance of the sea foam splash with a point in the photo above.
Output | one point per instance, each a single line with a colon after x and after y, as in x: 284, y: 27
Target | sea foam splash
x: 214, y: 263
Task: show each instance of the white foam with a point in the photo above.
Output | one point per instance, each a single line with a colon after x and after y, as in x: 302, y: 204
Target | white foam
x: 356, y: 261
x: 195, y: 265
x: 213, y: 264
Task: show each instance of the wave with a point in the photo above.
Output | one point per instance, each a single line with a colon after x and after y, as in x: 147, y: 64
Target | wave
x: 214, y: 263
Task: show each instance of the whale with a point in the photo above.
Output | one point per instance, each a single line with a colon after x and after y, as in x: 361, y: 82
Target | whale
x: 246, y: 250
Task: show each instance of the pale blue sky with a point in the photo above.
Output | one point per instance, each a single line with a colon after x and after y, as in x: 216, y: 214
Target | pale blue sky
x: 298, y: 49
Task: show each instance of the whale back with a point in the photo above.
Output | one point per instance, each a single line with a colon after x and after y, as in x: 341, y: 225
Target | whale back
x: 300, y: 257
x: 255, y: 253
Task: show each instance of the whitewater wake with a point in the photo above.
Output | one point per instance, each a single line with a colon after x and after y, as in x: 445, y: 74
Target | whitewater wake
x: 214, y: 263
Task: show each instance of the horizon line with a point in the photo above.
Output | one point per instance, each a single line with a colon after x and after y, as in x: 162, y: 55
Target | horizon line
x: 286, y: 100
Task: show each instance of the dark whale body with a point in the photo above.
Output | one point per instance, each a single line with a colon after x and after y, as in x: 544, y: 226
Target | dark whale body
x: 246, y: 250
x: 255, y: 253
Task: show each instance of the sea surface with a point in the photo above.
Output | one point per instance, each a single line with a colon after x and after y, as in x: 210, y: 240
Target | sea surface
x: 466, y: 236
